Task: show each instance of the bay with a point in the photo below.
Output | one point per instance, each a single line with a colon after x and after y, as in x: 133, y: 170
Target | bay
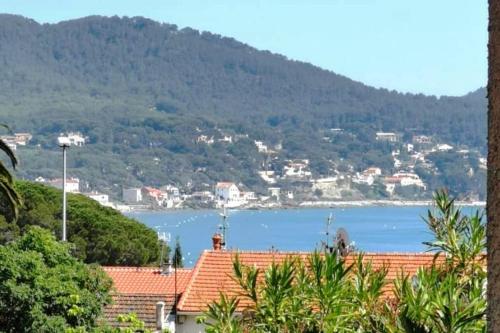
x: 373, y: 229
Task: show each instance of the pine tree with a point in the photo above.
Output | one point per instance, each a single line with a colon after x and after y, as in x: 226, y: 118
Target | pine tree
x: 177, y: 257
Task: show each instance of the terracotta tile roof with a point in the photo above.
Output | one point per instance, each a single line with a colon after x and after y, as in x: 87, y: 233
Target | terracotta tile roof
x: 147, y: 280
x: 213, y: 271
x: 143, y: 305
x: 396, y: 263
x: 138, y: 289
x: 224, y: 184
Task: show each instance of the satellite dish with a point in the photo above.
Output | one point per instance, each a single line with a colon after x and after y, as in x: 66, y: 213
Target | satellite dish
x: 342, y: 240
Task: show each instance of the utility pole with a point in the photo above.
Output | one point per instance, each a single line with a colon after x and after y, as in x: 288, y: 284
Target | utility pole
x: 223, y: 227
x: 64, y: 143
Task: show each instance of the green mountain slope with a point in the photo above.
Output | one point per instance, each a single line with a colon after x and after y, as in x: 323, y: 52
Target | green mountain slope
x: 144, y: 91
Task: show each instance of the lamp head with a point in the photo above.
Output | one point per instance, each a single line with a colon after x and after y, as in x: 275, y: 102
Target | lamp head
x: 63, y: 141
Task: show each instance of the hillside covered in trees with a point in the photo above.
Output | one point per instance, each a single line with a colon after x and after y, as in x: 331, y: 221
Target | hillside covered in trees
x: 143, y: 92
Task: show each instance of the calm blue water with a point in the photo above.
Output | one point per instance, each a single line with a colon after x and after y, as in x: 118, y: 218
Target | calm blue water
x: 373, y: 229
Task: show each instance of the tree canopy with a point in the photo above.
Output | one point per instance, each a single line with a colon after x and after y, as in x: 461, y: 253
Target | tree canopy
x: 43, y: 288
x: 99, y: 234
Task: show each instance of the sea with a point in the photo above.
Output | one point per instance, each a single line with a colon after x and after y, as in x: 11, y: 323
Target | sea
x: 369, y: 229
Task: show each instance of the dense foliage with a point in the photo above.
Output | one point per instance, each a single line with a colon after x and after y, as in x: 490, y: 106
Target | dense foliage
x: 100, y: 234
x: 43, y: 288
x: 144, y: 91
x: 323, y: 294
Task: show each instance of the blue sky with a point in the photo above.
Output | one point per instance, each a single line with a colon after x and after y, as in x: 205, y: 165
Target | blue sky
x: 421, y: 46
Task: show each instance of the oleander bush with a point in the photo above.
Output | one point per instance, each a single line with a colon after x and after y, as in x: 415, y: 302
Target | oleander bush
x: 324, y: 294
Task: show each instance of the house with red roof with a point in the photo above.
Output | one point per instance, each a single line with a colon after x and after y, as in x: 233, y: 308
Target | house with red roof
x: 213, y: 275
x: 149, y: 292
x: 167, y: 299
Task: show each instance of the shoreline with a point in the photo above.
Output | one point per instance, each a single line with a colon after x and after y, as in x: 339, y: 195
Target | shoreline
x: 319, y: 204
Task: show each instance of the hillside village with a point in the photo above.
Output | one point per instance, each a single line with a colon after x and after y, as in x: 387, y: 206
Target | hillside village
x: 288, y: 182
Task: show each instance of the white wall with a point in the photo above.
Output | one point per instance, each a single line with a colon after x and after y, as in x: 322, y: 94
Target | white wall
x: 190, y: 326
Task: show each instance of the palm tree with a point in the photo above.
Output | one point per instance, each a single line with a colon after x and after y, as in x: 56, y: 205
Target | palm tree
x: 10, y: 200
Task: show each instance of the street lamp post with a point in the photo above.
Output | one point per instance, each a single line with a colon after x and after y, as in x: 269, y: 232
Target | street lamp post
x: 64, y: 143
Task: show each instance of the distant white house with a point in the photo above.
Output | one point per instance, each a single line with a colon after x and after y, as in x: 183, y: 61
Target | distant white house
x: 297, y: 169
x: 155, y: 195
x: 22, y: 139
x: 73, y: 138
x: 132, y: 195
x: 172, y: 192
x: 373, y: 171
x: 444, y: 147
x: 261, y: 147
x: 205, y: 139
x: 205, y: 196
x: 387, y: 136
x: 422, y: 139
x: 248, y: 196
x: 72, y: 184
x: 363, y: 179
x: 226, y: 139
x: 274, y: 192
x: 227, y: 194
x: 101, y: 198
x: 404, y: 179
x: 268, y: 176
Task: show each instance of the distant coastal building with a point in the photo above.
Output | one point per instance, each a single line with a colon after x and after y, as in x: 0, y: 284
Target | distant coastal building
x: 444, y: 147
x: 205, y: 139
x: 373, y: 172
x: 403, y: 179
x: 74, y: 138
x: 297, y: 169
x: 227, y: 194
x: 274, y: 192
x: 22, y: 139
x: 132, y: 195
x: 153, y: 194
x: 13, y: 141
x: 72, y: 184
x: 422, y: 139
x: 203, y: 196
x: 261, y: 147
x: 101, y: 198
x: 387, y: 136
x: 363, y: 179
x: 267, y: 176
x: 248, y: 196
x: 226, y: 139
x: 172, y: 192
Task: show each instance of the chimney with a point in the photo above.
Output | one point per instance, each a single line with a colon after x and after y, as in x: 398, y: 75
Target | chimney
x: 160, y: 316
x: 166, y: 268
x: 217, y: 242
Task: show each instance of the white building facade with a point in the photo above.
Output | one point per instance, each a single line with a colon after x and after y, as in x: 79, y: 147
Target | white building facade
x: 132, y: 195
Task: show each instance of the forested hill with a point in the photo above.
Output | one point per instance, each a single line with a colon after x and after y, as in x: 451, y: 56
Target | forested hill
x: 143, y: 92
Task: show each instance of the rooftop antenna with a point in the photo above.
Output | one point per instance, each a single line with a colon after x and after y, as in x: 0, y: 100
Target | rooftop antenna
x: 329, y: 221
x: 326, y: 245
x: 223, y: 227
x: 164, y: 239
